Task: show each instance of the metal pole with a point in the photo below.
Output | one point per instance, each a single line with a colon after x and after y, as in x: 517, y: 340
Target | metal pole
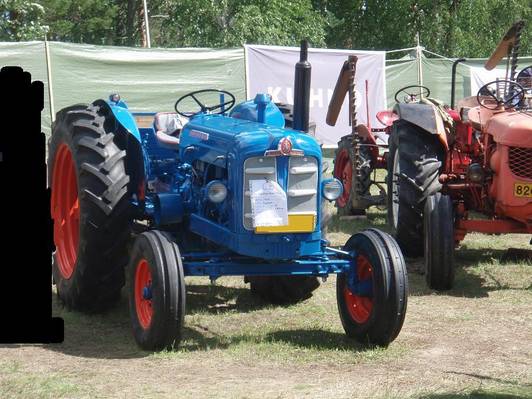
x: 146, y: 23
x: 419, y: 69
x: 49, y: 75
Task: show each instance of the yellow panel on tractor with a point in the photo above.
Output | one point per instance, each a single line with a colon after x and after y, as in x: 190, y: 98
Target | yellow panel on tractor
x: 300, y: 223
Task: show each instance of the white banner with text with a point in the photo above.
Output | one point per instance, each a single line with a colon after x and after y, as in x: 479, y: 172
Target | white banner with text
x: 270, y: 69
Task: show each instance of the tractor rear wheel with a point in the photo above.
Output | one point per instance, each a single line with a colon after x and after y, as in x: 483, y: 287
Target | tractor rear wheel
x: 414, y: 163
x: 372, y: 296
x: 344, y: 158
x: 439, y: 242
x: 283, y: 290
x: 90, y: 208
x: 156, y: 288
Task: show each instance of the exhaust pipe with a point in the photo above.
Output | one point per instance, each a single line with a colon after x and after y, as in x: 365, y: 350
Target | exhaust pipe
x: 302, y: 90
x: 453, y: 79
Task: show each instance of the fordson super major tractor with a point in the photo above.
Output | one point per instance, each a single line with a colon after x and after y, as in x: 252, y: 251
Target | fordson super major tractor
x: 216, y: 190
x: 453, y: 171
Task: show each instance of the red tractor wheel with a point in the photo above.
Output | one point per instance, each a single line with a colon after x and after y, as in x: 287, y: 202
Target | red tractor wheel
x: 344, y: 159
x: 156, y: 288
x: 90, y: 209
x: 372, y: 296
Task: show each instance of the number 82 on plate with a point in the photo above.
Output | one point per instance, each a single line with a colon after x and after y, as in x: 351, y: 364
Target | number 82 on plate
x: 523, y: 190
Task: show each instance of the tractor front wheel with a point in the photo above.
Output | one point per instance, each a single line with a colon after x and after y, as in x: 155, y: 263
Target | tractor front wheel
x: 156, y: 288
x: 439, y: 242
x: 372, y: 296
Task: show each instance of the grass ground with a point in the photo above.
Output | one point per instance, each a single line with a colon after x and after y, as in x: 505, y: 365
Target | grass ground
x: 473, y: 341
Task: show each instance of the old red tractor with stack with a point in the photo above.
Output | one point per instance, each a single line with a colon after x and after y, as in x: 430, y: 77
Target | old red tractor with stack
x: 454, y: 170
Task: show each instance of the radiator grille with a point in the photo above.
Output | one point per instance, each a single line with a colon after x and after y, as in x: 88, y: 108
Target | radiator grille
x: 302, y: 187
x: 256, y: 168
x: 302, y: 184
x: 520, y: 160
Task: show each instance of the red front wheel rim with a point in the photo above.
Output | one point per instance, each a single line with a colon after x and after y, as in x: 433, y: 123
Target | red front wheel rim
x: 359, y: 307
x: 65, y: 211
x: 344, y: 172
x: 143, y: 293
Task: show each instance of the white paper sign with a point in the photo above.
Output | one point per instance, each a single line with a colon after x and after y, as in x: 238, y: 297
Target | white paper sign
x: 268, y: 203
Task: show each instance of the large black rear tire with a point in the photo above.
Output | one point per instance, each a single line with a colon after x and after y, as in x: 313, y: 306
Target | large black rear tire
x: 357, y: 185
x: 372, y: 297
x: 90, y: 208
x: 414, y: 164
x: 283, y: 290
x: 439, y: 242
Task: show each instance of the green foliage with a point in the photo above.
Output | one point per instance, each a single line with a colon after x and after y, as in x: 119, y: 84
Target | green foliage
x: 81, y: 21
x: 453, y: 28
x: 21, y: 20
x: 230, y: 23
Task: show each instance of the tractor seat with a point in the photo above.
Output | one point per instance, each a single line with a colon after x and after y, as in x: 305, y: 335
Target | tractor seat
x: 168, y: 127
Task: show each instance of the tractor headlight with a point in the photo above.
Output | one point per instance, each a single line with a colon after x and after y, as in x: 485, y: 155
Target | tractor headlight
x: 331, y: 189
x: 216, y: 191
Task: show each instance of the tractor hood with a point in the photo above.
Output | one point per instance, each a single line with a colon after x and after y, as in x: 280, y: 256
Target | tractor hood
x: 511, y: 128
x: 212, y: 137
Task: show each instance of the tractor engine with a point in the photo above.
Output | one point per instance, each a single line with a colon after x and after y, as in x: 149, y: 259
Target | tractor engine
x: 227, y: 153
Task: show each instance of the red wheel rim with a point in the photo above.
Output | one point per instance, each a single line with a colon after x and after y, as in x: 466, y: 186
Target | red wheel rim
x: 343, y: 171
x: 359, y: 307
x: 143, y: 295
x: 65, y: 211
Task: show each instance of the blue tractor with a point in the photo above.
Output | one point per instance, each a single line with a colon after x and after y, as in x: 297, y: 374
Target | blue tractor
x: 214, y: 189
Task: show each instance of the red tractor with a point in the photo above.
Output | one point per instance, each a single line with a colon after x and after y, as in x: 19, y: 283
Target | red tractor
x: 454, y: 170
x: 359, y: 153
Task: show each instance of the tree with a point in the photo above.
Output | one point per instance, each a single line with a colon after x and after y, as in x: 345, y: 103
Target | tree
x: 231, y: 23
x: 452, y: 28
x: 81, y: 21
x: 21, y: 20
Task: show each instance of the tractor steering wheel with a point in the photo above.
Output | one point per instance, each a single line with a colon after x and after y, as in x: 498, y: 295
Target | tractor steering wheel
x: 411, y: 96
x: 513, y: 94
x: 221, y: 107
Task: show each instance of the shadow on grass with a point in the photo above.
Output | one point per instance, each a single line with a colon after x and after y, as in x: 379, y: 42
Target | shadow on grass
x: 219, y: 299
x: 467, y: 282
x: 108, y: 335
x: 104, y: 335
x: 198, y: 338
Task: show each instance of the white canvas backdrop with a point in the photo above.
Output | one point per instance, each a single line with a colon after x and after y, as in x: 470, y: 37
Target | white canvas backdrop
x: 481, y: 76
x: 270, y: 69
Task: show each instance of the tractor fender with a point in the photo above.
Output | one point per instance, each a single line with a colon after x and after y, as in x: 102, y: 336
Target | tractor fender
x: 425, y: 116
x: 138, y: 165
x: 122, y: 116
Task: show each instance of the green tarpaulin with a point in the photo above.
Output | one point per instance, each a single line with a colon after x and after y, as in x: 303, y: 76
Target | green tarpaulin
x: 152, y: 79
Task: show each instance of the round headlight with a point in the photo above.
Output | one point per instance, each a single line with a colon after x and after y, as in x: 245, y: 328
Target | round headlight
x: 216, y: 191
x: 332, y: 189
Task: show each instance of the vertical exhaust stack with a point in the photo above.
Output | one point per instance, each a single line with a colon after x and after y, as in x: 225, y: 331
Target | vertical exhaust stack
x: 302, y: 90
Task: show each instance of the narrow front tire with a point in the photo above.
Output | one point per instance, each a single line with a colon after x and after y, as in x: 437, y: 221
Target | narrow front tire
x: 372, y: 296
x: 156, y: 288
